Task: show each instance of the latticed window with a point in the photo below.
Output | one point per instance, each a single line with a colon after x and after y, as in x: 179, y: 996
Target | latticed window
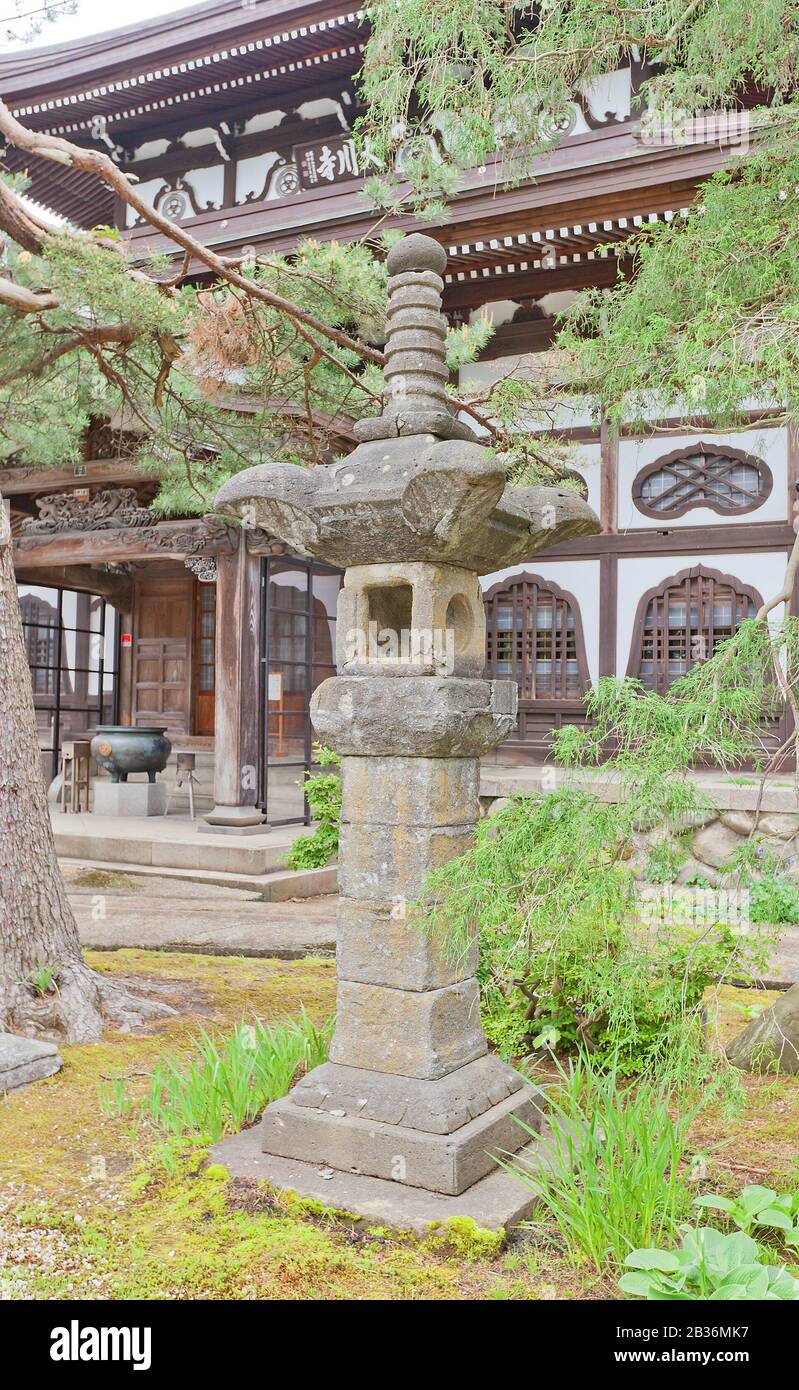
x: 206, y: 639
x: 533, y: 637
x: 724, y: 480
x: 683, y: 622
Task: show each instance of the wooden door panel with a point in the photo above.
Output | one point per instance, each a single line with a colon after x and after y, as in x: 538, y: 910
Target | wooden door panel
x: 162, y: 654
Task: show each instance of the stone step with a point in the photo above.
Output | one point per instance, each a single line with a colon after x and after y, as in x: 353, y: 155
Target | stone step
x: 281, y: 885
x: 285, y: 931
x: 158, y: 842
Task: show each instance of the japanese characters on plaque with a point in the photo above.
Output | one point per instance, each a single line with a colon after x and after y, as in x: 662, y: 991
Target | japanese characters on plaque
x: 327, y: 162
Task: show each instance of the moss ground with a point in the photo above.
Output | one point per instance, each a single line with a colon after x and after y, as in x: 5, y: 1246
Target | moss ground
x: 93, y: 1206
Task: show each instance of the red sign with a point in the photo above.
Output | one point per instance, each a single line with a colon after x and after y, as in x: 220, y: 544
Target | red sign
x: 126, y: 639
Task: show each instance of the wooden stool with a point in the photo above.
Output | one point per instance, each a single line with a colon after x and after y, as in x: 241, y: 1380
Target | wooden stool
x: 76, y: 769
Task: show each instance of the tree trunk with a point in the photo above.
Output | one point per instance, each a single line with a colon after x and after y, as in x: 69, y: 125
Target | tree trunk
x: 37, y: 926
x: 771, y: 1040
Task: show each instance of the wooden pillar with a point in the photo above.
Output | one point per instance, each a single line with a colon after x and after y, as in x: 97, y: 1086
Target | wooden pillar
x: 609, y: 495
x: 608, y: 611
x: 125, y: 673
x: 608, y: 560
x: 237, y: 713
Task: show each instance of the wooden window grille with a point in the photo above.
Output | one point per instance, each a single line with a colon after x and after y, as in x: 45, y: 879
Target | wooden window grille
x: 206, y: 639
x: 683, y: 622
x: 534, y: 637
x: 724, y: 480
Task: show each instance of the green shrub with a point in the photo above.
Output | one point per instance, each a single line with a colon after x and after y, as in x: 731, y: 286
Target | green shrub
x: 707, y: 1266
x: 225, y: 1083
x: 664, y: 862
x: 323, y: 792
x: 614, y: 1177
x: 564, y: 960
x: 43, y: 979
x: 774, y: 898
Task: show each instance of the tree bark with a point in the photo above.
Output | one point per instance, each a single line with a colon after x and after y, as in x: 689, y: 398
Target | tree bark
x: 37, y: 926
x: 771, y: 1040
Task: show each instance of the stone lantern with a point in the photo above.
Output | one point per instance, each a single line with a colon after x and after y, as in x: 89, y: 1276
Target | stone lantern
x: 411, y: 1103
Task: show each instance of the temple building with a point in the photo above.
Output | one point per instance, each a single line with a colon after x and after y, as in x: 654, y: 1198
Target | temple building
x: 237, y: 120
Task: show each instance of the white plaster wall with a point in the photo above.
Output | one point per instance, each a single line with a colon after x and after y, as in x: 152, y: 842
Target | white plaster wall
x: 251, y: 174
x: 588, y: 463
x: 207, y: 185
x: 580, y: 578
x: 149, y: 192
x: 770, y: 445
x: 499, y: 311
x: 764, y: 571
x: 563, y: 414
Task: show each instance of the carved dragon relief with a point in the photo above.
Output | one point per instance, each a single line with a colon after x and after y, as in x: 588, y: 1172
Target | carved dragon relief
x: 62, y: 511
x: 117, y: 510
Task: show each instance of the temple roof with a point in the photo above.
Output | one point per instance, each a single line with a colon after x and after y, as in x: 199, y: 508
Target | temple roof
x: 165, y: 55
x: 189, y: 68
x: 196, y: 66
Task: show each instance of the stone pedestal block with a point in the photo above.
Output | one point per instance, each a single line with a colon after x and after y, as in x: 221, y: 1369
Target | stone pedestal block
x: 411, y: 791
x: 388, y: 861
x: 382, y: 943
x: 417, y: 717
x: 437, y: 1107
x: 235, y: 820
x: 130, y: 798
x: 448, y: 1163
x: 407, y: 1032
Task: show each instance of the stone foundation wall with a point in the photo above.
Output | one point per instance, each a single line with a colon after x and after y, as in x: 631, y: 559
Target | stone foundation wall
x: 710, y: 840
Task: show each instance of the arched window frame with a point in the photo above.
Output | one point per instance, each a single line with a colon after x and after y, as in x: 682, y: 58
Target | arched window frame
x: 675, y: 582
x: 504, y: 586
x: 688, y: 451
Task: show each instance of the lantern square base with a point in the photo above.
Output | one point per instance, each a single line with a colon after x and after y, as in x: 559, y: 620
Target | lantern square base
x: 448, y: 1163
x: 496, y: 1202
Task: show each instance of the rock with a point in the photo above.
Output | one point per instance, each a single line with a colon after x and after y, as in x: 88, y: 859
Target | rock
x: 697, y: 820
x: 739, y: 821
x: 782, y: 825
x: 715, y: 844
x: 776, y: 825
x: 501, y: 804
x: 23, y: 1060
x: 770, y: 1041
x: 692, y: 869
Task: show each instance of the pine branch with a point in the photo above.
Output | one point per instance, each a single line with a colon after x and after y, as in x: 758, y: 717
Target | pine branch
x: 61, y: 151
x: 24, y: 301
